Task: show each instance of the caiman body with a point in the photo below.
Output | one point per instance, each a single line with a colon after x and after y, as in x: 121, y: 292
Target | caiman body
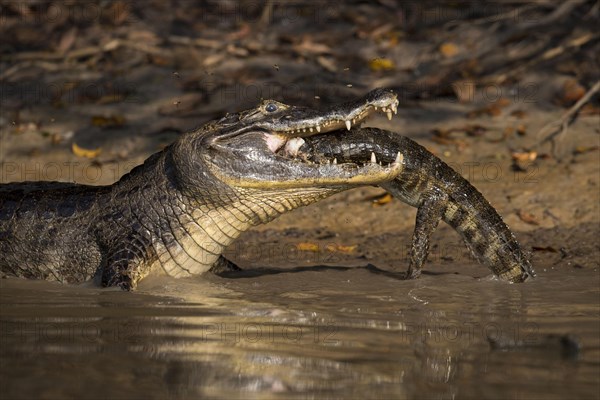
x: 177, y: 212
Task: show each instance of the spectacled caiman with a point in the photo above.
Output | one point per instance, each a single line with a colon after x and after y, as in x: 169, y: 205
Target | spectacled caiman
x: 178, y: 211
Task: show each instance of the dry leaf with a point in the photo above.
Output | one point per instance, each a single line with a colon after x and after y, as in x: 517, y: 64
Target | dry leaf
x: 67, y: 40
x: 111, y: 98
x: 338, y: 248
x: 571, y: 92
x: 87, y: 153
x: 382, y: 200
x: 449, y: 49
x: 524, y: 156
x: 546, y: 248
x: 119, y: 11
x: 528, y: 217
x: 475, y: 130
x: 307, y: 46
x: 502, y: 102
x: 584, y: 149
x: 464, y: 90
x: 244, y: 31
x: 494, y: 109
x: 145, y: 36
x: 381, y: 64
x: 307, y: 246
x: 589, y: 109
x: 519, y: 114
x: 55, y: 138
x: 332, y: 248
x: 328, y: 63
x: 113, y: 121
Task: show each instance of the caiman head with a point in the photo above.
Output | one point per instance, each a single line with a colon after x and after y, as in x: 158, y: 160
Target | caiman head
x: 260, y: 148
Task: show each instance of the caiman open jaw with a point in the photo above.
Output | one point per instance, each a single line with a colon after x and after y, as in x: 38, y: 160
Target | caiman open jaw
x: 289, y: 121
x: 262, y: 149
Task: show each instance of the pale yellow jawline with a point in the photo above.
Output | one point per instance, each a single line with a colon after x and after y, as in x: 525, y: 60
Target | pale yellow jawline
x: 361, y: 178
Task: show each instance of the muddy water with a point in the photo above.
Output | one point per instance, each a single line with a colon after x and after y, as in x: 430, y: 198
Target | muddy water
x: 300, y: 332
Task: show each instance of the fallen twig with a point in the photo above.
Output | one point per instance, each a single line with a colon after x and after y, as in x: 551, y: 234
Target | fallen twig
x: 51, y: 61
x: 560, y: 126
x: 560, y: 11
x: 549, y: 54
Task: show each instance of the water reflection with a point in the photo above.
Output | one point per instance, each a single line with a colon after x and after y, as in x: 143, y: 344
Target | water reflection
x: 346, y: 334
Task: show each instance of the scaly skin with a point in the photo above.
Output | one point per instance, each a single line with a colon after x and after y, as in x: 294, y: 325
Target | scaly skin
x: 438, y: 193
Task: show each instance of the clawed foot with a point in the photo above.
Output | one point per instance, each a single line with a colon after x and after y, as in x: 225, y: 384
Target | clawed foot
x: 413, y: 273
x: 409, y: 274
x: 120, y: 280
x: 223, y: 265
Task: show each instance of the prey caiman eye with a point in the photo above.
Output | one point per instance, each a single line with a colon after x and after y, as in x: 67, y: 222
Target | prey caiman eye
x: 271, y: 107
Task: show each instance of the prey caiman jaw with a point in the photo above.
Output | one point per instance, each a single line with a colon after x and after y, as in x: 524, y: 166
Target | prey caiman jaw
x: 290, y: 139
x: 388, y: 106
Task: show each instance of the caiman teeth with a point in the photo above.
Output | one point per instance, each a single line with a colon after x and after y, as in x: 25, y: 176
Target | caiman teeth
x: 399, y: 158
x: 318, y: 128
x: 395, y: 108
x: 373, y: 158
x: 335, y: 161
x: 389, y: 114
x: 348, y: 125
x: 293, y: 146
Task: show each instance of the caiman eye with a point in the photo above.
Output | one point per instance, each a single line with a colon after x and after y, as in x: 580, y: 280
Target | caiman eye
x: 271, y: 107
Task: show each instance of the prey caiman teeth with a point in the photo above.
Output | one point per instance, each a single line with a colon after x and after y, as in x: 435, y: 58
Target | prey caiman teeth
x: 290, y: 121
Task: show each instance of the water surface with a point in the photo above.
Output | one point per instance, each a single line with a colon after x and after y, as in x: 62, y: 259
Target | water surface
x: 324, y: 331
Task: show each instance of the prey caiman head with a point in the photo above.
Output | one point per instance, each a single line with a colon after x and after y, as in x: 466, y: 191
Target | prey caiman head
x: 260, y: 148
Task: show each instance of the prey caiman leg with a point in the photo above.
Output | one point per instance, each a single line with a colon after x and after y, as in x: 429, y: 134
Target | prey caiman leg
x: 429, y: 214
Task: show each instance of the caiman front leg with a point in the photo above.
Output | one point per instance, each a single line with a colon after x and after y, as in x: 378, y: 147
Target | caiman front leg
x: 124, y: 270
x: 223, y: 265
x: 125, y: 273
x: 128, y: 263
x: 429, y: 214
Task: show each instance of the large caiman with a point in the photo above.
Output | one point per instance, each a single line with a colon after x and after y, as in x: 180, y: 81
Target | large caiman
x: 178, y: 211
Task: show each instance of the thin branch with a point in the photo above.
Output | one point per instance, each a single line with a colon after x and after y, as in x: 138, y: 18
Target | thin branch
x: 549, y: 54
x: 560, y: 126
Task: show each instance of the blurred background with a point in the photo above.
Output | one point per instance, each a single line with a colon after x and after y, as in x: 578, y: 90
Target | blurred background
x: 127, y: 77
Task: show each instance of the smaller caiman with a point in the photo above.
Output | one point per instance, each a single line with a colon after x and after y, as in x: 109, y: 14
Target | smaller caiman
x: 437, y: 191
